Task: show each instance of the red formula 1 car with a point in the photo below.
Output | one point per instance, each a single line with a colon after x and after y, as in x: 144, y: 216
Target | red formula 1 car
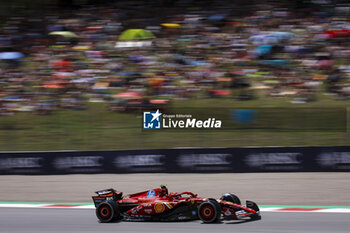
x: 158, y: 205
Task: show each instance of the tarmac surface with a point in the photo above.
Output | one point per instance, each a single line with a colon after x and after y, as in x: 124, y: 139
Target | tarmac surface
x: 332, y: 189
x: 28, y: 220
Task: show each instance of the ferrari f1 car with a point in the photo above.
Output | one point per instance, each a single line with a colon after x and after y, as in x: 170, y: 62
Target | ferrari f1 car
x: 158, y: 205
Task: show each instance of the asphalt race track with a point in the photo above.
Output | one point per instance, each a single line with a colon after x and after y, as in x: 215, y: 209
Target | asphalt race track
x: 75, y: 220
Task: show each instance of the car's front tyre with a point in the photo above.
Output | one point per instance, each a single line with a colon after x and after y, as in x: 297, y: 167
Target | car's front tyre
x: 231, y: 198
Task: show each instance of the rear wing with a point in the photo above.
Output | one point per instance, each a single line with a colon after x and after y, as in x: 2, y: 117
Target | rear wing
x: 105, y: 191
x: 106, y: 194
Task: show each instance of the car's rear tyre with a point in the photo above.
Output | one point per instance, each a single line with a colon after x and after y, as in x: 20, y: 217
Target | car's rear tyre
x: 231, y: 198
x: 107, y: 211
x: 209, y: 211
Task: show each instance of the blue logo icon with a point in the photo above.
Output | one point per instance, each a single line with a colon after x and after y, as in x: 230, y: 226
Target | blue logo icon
x: 151, y: 193
x: 151, y: 120
x: 243, y: 116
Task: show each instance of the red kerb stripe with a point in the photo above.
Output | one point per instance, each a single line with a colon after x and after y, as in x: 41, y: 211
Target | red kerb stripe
x: 60, y: 205
x: 300, y: 209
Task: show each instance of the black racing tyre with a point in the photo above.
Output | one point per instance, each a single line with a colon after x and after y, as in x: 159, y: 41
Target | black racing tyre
x: 209, y: 211
x: 231, y: 198
x: 107, y: 211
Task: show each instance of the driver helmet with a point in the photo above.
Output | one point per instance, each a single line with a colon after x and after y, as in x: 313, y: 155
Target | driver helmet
x: 164, y: 190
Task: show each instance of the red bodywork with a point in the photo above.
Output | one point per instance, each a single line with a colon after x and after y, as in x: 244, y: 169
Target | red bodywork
x: 151, y: 205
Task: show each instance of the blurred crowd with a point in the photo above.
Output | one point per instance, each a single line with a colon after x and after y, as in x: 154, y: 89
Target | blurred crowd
x: 67, y: 57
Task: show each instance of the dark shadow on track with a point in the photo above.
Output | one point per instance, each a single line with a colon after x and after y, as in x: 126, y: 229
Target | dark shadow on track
x: 219, y: 222
x: 115, y: 221
x: 242, y: 221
